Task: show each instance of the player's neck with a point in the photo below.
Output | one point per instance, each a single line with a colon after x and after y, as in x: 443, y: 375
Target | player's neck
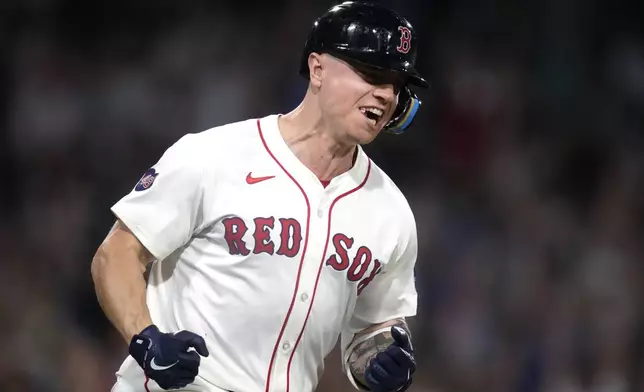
x: 310, y: 139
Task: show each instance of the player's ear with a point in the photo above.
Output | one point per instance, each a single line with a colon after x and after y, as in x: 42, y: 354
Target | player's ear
x: 315, y: 69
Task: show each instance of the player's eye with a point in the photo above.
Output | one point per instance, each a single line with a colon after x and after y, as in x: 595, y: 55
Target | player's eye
x: 381, y: 78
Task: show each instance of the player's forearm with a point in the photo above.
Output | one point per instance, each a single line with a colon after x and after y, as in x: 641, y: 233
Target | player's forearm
x: 117, y: 271
x: 364, y: 351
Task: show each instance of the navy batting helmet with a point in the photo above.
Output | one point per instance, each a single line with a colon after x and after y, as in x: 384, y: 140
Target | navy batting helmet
x: 376, y: 37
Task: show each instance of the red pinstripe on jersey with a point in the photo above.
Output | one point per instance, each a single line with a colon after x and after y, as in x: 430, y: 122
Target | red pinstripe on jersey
x: 299, y: 268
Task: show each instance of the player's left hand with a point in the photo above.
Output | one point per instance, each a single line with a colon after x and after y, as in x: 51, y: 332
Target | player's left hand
x: 391, y: 370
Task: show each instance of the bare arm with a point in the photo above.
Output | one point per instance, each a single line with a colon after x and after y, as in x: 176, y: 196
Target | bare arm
x: 117, y: 270
x: 364, y: 351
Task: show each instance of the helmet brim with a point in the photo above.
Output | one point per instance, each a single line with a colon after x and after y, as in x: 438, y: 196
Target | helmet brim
x: 371, y: 60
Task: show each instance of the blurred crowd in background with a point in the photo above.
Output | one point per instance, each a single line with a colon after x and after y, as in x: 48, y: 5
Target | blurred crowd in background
x: 524, y: 168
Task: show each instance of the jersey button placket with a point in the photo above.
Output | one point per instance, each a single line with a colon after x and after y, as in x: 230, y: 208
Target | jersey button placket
x: 295, y: 325
x: 321, y: 207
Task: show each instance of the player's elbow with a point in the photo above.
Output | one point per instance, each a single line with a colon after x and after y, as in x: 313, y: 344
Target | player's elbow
x: 101, y: 257
x: 121, y: 250
x: 99, y: 263
x: 113, y: 260
x: 115, y: 256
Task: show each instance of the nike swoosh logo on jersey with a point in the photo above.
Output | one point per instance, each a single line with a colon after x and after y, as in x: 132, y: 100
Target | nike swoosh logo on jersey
x: 154, y: 366
x: 254, y: 180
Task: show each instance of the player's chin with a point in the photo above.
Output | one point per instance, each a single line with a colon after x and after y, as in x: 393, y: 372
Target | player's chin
x: 361, y: 136
x: 365, y: 133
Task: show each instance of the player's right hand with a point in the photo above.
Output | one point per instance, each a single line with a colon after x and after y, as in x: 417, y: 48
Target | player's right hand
x: 172, y: 360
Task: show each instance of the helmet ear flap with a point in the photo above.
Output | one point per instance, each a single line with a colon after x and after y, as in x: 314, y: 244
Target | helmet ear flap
x: 403, y: 117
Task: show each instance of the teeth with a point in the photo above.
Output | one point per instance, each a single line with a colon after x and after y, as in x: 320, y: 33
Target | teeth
x: 375, y: 111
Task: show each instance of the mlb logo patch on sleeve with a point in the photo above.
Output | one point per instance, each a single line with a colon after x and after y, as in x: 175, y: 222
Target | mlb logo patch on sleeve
x: 146, y: 181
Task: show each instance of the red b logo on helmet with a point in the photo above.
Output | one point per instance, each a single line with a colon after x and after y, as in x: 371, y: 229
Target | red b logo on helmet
x: 405, y: 39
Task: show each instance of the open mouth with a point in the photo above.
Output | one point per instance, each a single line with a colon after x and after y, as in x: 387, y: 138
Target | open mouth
x: 372, y: 114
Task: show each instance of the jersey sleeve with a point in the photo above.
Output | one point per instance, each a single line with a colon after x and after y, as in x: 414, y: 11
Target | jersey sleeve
x: 165, y: 207
x: 392, y: 294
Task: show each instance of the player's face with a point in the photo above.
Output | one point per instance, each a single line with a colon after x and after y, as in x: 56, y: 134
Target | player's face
x: 357, y: 101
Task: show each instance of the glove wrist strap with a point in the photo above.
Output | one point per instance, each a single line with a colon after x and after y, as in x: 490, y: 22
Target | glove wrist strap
x: 141, y: 343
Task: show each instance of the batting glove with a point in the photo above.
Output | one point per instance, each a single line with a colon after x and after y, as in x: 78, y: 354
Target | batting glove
x: 168, y: 358
x: 391, y: 370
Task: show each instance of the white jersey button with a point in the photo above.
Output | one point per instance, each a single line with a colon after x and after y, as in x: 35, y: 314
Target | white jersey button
x: 286, y: 346
x: 320, y: 213
x: 304, y: 297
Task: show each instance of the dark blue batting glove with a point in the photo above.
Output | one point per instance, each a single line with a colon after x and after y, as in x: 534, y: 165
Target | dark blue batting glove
x: 391, y: 370
x: 167, y: 358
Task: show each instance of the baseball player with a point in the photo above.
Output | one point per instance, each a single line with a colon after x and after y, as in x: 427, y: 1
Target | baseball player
x: 271, y: 238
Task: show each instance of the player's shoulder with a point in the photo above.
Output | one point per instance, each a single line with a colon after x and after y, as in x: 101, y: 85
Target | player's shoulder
x: 396, y: 201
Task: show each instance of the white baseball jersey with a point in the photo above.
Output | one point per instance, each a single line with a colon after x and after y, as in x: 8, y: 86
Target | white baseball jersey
x: 263, y: 261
